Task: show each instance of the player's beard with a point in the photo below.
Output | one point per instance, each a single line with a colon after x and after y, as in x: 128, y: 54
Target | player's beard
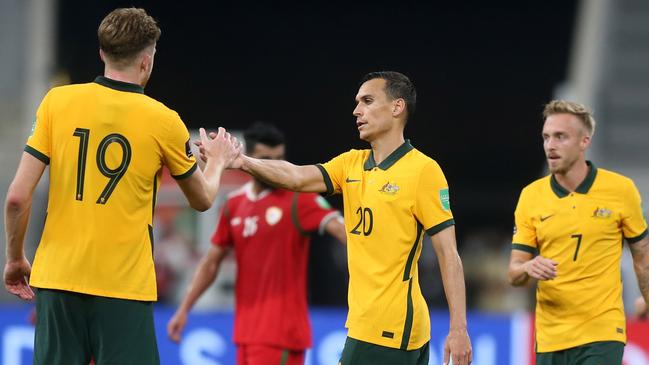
x: 563, y: 166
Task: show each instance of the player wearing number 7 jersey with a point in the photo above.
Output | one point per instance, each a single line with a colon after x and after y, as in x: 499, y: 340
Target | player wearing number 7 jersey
x: 392, y: 195
x: 106, y: 143
x: 568, y: 235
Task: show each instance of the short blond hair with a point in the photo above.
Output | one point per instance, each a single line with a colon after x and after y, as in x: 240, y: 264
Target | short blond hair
x: 568, y: 107
x: 125, y: 32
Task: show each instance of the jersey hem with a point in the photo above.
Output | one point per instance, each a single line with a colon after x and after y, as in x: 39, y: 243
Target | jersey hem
x: 96, y: 292
x: 638, y: 238
x: 326, y: 178
x: 186, y: 174
x: 357, y: 335
x: 575, y: 344
x: 438, y: 228
x: 38, y: 154
x: 522, y: 247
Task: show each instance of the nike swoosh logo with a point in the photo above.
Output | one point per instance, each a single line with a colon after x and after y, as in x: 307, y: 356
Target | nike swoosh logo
x: 546, y: 217
x: 351, y: 180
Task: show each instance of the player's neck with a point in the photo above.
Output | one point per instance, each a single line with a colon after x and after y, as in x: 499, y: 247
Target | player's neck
x: 382, y: 147
x: 572, y: 178
x: 127, y: 75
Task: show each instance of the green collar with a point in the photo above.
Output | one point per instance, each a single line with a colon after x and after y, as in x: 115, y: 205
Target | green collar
x: 390, y: 160
x: 583, y: 188
x: 119, y: 85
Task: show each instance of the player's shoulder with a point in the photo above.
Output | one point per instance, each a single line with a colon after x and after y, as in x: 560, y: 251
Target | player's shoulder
x: 537, y: 186
x: 612, y: 178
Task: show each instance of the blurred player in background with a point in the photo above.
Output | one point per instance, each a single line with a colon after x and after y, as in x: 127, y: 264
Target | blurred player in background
x: 268, y: 230
x: 568, y: 235
x: 392, y: 194
x: 105, y: 143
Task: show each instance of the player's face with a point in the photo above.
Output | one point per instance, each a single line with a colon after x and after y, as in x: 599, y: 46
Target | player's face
x: 266, y: 152
x: 373, y: 110
x: 565, y: 141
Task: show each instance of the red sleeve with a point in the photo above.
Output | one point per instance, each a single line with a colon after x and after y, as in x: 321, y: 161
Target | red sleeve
x: 311, y: 211
x: 223, y: 235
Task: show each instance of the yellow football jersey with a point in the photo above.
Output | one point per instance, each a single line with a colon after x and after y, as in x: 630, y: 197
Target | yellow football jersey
x: 387, y: 209
x: 583, y: 232
x: 105, y: 143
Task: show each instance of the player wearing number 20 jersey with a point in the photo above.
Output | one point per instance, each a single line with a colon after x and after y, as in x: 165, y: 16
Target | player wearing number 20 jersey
x: 583, y: 232
x: 106, y: 143
x: 388, y: 207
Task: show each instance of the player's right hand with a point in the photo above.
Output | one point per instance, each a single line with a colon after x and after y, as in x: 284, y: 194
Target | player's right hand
x: 176, y: 325
x: 16, y: 277
x: 541, y: 268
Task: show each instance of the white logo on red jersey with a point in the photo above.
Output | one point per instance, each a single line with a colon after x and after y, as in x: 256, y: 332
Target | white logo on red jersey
x: 235, y: 221
x: 273, y: 215
x: 250, y: 226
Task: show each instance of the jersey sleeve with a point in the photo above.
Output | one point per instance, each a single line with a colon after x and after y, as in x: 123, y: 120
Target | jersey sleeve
x: 311, y: 212
x: 524, y: 237
x: 333, y: 173
x: 432, y: 202
x: 634, y: 224
x: 223, y: 234
x: 177, y: 152
x: 39, y: 141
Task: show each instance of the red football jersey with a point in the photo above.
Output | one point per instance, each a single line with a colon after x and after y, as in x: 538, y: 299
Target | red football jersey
x: 269, y: 233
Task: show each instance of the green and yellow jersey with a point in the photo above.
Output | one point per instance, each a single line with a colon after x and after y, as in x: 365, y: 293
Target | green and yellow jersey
x: 387, y: 208
x: 583, y: 232
x: 106, y: 143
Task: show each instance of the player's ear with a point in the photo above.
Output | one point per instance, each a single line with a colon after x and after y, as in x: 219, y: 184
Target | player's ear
x: 585, y: 141
x: 398, y: 107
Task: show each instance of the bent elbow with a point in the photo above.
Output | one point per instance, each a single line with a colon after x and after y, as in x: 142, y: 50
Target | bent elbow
x: 16, y: 202
x: 201, y: 205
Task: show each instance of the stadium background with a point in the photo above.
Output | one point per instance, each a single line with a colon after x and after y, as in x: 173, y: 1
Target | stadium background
x: 482, y: 71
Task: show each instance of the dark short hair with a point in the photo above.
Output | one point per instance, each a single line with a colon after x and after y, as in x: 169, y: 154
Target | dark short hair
x: 264, y: 133
x: 397, y: 86
x: 125, y: 32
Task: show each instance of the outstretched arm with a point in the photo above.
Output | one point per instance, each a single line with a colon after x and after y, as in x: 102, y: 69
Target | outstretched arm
x: 458, y: 344
x: 17, y: 209
x: 283, y: 174
x: 205, y: 275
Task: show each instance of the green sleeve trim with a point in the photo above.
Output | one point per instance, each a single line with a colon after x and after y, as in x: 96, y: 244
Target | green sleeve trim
x: 526, y: 248
x: 186, y: 174
x: 295, y: 217
x: 638, y: 238
x: 327, y: 179
x: 36, y: 153
x: 436, y: 229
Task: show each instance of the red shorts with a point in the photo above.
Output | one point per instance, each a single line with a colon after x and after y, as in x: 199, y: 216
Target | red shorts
x: 268, y: 355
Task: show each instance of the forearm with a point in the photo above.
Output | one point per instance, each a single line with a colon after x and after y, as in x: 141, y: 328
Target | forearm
x: 278, y: 173
x: 204, y: 277
x: 517, y: 273
x: 453, y: 279
x: 16, y: 220
x: 212, y: 173
x: 640, y: 252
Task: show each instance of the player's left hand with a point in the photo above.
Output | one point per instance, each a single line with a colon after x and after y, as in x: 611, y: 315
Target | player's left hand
x: 234, y: 163
x: 458, y: 347
x: 16, y: 277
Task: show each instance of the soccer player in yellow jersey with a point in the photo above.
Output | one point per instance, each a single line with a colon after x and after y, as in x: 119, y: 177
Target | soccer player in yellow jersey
x: 105, y: 143
x: 392, y: 194
x: 568, y: 235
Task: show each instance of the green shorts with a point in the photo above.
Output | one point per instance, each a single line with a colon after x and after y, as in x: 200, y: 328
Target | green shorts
x: 595, y: 353
x: 358, y: 352
x: 72, y: 328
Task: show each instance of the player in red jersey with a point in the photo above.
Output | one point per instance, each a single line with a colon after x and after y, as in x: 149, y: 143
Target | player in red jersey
x: 268, y: 230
